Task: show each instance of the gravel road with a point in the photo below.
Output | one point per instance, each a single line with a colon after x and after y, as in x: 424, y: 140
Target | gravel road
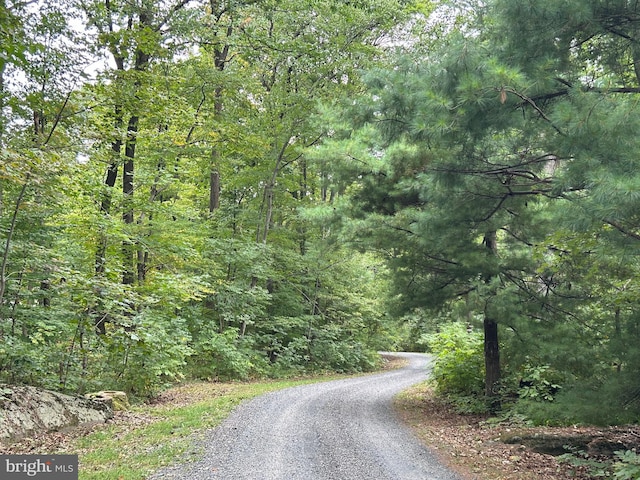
x: 339, y: 430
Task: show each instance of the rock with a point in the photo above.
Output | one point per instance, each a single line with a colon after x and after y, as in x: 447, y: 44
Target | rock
x: 117, y: 400
x: 26, y: 410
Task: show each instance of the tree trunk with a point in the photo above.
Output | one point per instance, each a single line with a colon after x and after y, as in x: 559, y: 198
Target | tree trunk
x: 267, y: 199
x: 220, y: 59
x: 112, y: 170
x: 491, y: 360
x: 2, y: 127
x: 45, y: 289
x: 128, y: 247
x: 7, y: 243
x: 491, y: 340
x: 116, y: 148
x: 2, y: 93
x: 636, y: 61
x: 267, y: 205
x: 214, y: 193
x: 110, y: 182
x: 304, y: 191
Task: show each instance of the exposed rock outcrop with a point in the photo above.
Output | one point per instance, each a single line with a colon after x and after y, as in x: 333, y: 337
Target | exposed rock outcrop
x: 26, y: 410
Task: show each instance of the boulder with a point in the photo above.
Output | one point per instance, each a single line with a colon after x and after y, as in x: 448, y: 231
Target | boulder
x: 26, y: 410
x: 115, y: 399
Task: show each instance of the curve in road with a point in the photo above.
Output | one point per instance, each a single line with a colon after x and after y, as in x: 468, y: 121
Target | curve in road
x: 344, y: 429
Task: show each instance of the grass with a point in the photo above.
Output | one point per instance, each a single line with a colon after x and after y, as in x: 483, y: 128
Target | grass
x: 160, y: 434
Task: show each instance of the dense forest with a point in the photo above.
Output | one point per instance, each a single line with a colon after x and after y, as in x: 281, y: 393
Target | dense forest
x: 162, y: 206
x: 241, y: 188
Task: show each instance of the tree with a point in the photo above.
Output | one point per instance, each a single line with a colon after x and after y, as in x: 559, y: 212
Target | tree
x: 475, y: 160
x: 133, y: 36
x: 39, y: 72
x: 259, y: 105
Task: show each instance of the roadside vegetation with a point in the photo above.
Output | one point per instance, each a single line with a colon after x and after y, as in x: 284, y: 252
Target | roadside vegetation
x: 508, y: 447
x: 539, y: 432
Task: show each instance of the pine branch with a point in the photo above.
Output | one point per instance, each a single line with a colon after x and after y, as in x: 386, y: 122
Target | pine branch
x: 565, y: 91
x: 622, y: 229
x: 506, y: 169
x: 495, y: 209
x: 533, y: 104
x: 400, y: 229
x: 522, y: 240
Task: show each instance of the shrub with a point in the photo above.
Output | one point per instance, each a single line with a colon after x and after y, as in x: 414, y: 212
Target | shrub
x: 147, y: 357
x: 539, y: 383
x: 459, y: 364
x: 608, y: 400
x: 221, y: 356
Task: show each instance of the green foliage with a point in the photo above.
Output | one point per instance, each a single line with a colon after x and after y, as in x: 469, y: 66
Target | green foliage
x: 581, y: 459
x: 222, y: 356
x: 296, y: 345
x: 627, y: 467
x: 148, y: 355
x: 537, y: 383
x: 415, y: 328
x: 499, y: 170
x: 490, y: 176
x: 117, y: 268
x: 458, y: 369
x: 611, y: 400
x: 330, y: 351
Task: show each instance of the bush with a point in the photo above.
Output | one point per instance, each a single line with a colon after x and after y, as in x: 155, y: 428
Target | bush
x: 221, y: 356
x: 459, y: 364
x: 146, y: 357
x: 539, y: 383
x: 612, y: 400
x: 326, y: 351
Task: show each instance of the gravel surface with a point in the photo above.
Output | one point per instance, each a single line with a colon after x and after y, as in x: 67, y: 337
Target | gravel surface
x: 344, y: 429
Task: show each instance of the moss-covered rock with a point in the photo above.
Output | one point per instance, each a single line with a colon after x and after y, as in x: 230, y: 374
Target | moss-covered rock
x: 117, y: 400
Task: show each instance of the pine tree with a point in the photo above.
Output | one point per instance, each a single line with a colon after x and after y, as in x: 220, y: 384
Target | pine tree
x: 491, y: 153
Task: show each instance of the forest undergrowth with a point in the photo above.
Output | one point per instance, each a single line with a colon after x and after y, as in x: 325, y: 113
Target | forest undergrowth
x: 481, y: 447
